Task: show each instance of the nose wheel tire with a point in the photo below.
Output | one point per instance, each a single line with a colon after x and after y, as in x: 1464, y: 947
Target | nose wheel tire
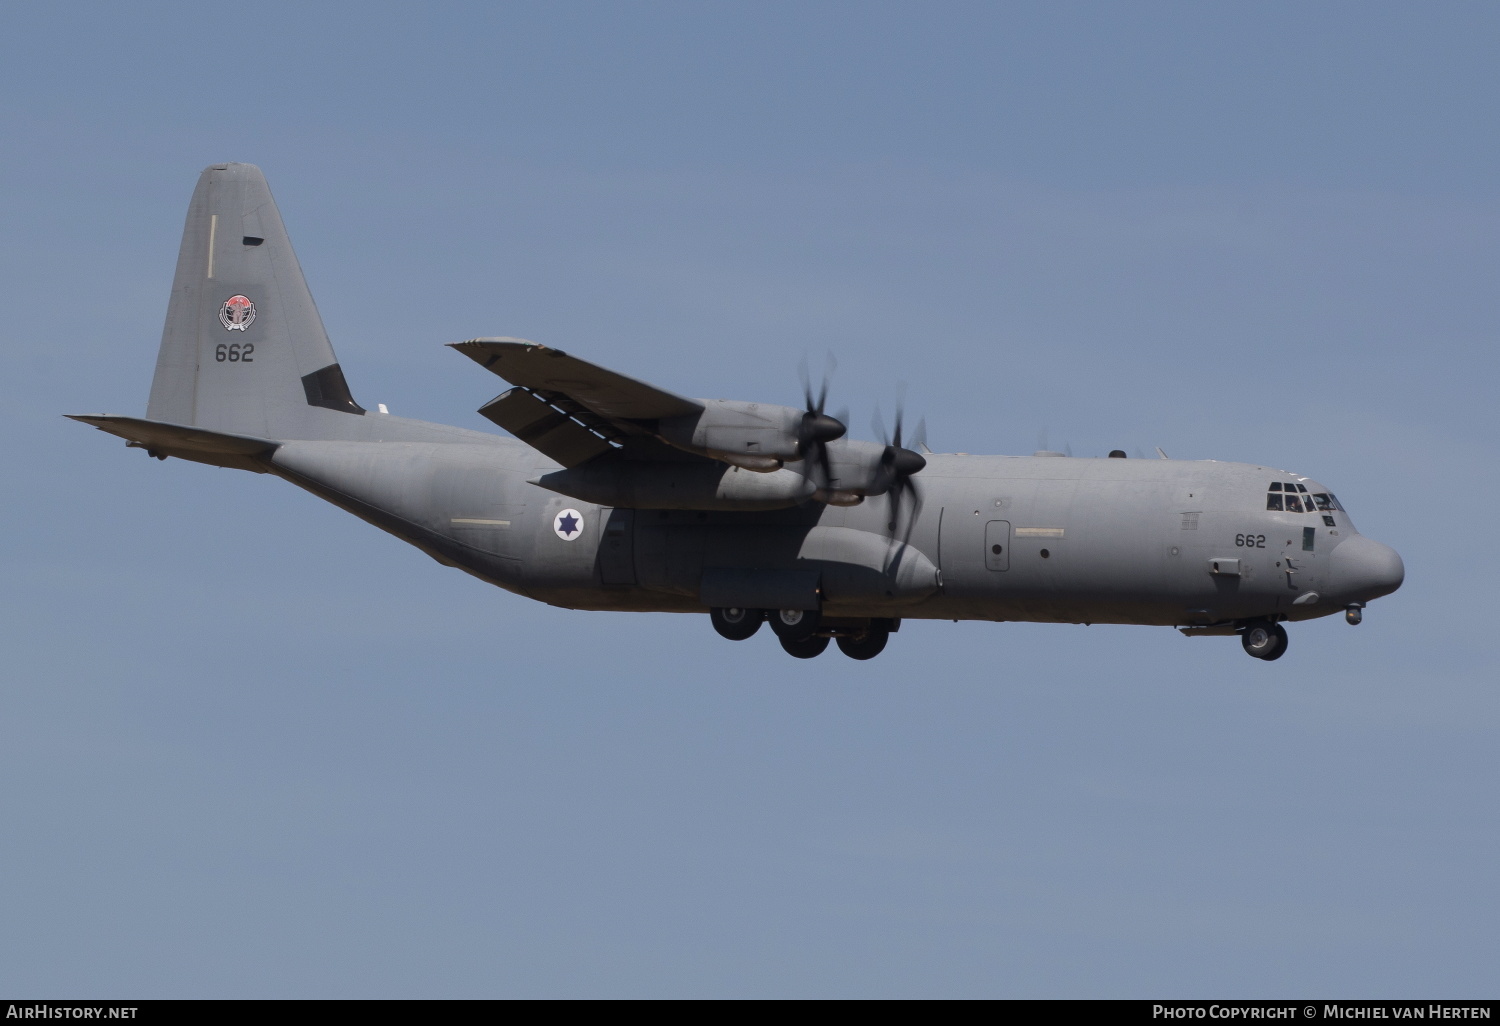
x: 805, y: 648
x: 795, y: 625
x: 736, y: 624
x: 865, y: 646
x: 1264, y: 640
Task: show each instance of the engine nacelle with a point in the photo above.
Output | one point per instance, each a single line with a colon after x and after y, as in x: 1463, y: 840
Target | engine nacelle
x: 705, y: 486
x: 869, y: 468
x: 756, y: 436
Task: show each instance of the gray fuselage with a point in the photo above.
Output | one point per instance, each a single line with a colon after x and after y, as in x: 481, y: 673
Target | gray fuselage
x: 1057, y: 539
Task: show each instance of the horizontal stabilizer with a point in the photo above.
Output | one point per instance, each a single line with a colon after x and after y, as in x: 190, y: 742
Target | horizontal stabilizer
x: 190, y: 443
x: 610, y: 395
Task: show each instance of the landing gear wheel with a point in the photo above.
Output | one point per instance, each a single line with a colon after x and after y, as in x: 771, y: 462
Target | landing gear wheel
x: 795, y: 624
x: 736, y: 624
x: 805, y: 648
x: 1264, y: 640
x: 865, y: 646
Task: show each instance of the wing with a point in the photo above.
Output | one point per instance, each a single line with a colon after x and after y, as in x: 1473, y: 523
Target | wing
x: 610, y: 395
x: 574, y: 411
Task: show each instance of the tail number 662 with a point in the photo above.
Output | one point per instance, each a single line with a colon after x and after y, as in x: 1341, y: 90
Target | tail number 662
x: 235, y: 352
x: 1250, y: 541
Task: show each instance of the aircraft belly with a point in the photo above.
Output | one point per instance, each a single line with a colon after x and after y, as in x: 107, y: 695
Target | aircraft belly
x: 857, y: 572
x: 852, y: 564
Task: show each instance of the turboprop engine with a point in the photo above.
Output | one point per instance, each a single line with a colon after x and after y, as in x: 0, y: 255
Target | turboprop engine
x: 708, y: 486
x: 755, y: 436
x: 851, y: 471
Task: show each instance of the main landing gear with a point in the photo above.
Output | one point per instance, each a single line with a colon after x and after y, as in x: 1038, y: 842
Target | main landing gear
x: 1264, y: 639
x: 805, y: 634
x: 736, y: 624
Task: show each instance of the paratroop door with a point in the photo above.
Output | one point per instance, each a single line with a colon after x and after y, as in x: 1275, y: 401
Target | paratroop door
x: 997, y: 545
x: 617, y: 548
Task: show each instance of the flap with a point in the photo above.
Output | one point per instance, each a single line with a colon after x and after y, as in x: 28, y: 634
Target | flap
x: 550, y: 432
x: 604, y: 392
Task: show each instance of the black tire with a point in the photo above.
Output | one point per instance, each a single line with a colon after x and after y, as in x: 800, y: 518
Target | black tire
x: 1264, y: 640
x: 736, y: 624
x: 804, y: 648
x: 794, y: 624
x: 867, y: 645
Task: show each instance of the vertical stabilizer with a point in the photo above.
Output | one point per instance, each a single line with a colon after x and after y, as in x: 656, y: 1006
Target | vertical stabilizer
x: 244, y: 350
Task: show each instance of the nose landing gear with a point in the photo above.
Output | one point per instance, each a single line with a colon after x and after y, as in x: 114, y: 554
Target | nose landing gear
x: 1264, y: 640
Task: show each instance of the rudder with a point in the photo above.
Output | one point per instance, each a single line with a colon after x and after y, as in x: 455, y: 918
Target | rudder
x: 244, y: 350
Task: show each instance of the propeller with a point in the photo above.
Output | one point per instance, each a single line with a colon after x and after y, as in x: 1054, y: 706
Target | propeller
x: 818, y: 428
x: 898, y: 465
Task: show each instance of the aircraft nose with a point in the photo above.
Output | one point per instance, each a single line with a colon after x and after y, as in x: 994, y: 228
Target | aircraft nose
x: 1364, y: 569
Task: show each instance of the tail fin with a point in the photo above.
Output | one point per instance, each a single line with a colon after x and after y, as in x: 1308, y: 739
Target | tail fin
x: 244, y: 350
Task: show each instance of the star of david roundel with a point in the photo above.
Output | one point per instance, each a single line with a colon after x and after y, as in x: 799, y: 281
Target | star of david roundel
x: 568, y: 524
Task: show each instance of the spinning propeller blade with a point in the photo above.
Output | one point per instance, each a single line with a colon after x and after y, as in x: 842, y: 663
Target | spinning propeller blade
x: 899, y: 465
x: 818, y: 428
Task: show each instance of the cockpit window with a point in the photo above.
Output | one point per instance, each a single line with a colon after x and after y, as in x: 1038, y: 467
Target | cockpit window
x: 1295, y: 498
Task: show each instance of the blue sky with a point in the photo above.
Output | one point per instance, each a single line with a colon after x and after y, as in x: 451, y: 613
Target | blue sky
x: 257, y: 748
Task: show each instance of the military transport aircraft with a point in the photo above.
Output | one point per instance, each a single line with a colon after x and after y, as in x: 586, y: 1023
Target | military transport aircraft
x: 616, y: 494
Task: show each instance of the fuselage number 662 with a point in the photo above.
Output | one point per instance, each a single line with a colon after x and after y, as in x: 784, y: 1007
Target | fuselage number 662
x: 1250, y: 541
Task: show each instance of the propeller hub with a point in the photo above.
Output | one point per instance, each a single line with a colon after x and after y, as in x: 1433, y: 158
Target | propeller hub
x: 821, y: 428
x: 905, y: 462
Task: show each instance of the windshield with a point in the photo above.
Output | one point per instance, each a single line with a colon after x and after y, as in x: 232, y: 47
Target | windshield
x: 1291, y: 497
